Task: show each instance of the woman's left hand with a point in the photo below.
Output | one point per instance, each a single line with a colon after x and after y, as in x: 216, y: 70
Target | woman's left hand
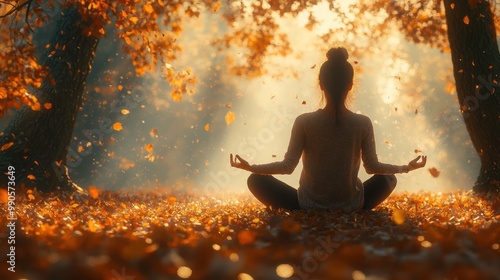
x: 238, y: 162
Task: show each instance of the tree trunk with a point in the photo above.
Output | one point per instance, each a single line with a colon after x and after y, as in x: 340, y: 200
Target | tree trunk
x: 40, y: 138
x: 476, y: 68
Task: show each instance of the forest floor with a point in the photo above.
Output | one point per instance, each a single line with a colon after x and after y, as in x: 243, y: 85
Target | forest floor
x: 133, y: 236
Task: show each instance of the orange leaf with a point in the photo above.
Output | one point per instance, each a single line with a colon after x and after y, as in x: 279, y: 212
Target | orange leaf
x: 153, y: 133
x: 207, y: 127
x: 229, y: 118
x: 434, y: 172
x: 398, y: 216
x: 47, y: 106
x: 31, y: 177
x: 117, y: 126
x: 171, y: 200
x: 134, y: 20
x: 94, y: 192
x: 148, y: 8
x: 125, y: 112
x: 149, y: 148
x: 92, y: 226
x: 466, y: 20
x: 6, y: 146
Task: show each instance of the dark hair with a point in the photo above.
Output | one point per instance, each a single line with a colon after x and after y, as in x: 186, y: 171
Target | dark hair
x: 335, y: 76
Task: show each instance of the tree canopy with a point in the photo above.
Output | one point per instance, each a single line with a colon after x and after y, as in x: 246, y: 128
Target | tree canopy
x: 150, y: 30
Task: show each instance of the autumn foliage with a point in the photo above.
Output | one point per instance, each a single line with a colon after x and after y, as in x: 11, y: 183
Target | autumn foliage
x: 149, y: 30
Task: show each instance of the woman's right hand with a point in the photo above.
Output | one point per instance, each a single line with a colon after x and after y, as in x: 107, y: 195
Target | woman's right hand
x: 415, y: 164
x: 238, y: 162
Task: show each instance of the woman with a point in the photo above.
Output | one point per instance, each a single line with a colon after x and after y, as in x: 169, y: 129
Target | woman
x: 331, y: 141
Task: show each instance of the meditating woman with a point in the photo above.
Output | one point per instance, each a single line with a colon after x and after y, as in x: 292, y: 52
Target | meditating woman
x: 331, y: 141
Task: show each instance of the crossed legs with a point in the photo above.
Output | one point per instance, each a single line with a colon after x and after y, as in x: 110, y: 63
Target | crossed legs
x: 273, y: 192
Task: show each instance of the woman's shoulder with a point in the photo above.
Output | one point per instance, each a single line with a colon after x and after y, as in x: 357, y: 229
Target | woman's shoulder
x: 354, y: 118
x: 360, y: 117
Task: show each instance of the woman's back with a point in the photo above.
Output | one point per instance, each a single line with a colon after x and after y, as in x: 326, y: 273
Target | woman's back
x: 331, y: 159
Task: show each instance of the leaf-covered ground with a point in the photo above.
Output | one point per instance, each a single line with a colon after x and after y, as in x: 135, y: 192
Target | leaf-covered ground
x: 116, y: 235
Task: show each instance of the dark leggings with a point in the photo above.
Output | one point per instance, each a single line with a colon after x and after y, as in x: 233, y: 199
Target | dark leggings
x: 275, y: 193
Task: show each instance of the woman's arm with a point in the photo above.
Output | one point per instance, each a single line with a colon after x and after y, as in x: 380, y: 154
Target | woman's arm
x: 287, y: 165
x: 370, y: 159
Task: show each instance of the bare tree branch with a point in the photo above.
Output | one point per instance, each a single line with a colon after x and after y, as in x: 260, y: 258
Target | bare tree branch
x: 15, y: 8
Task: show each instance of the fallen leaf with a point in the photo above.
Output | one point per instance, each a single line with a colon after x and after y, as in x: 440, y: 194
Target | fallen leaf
x: 94, y: 192
x: 398, y: 216
x: 92, y: 226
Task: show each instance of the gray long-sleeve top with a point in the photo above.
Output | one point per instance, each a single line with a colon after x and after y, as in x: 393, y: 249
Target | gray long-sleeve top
x: 331, y: 154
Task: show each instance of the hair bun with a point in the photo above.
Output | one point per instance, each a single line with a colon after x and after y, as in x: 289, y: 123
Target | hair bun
x: 337, y: 54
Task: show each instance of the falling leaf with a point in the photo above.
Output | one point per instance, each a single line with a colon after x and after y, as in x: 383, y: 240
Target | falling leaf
x: 398, y: 216
x: 117, y: 126
x: 125, y: 112
x: 434, y: 172
x: 314, y: 66
x: 416, y: 151
x: 47, y: 106
x: 31, y: 177
x: 94, y: 192
x: 304, y: 102
x: 229, y: 118
x: 126, y: 164
x: 153, y: 133
x: 120, y: 87
x: 149, y: 148
x: 216, y: 6
x: 466, y: 20
x: 6, y: 146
